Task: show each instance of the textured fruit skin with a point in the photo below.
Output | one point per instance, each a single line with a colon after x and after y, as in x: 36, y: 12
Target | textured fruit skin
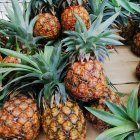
x: 19, y: 118
x: 47, y: 25
x: 86, y: 80
x: 68, y: 19
x: 136, y: 46
x: 11, y: 59
x: 138, y: 70
x: 99, y: 104
x: 129, y: 30
x: 64, y: 122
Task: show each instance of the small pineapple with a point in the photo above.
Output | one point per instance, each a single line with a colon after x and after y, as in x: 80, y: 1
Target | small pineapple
x: 19, y: 118
x: 85, y: 78
x: 99, y: 104
x: 138, y: 69
x: 68, y: 19
x: 47, y: 25
x: 136, y: 44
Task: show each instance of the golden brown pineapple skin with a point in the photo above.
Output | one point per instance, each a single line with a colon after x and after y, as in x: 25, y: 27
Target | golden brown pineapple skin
x: 68, y: 19
x: 86, y: 80
x: 11, y: 59
x: 19, y: 118
x: 64, y: 122
x: 136, y: 45
x: 47, y: 25
x: 99, y: 104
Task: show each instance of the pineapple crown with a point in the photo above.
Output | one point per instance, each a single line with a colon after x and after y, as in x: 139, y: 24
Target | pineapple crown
x: 91, y: 41
x: 45, y: 68
x: 124, y: 119
x: 126, y: 8
x: 19, y: 25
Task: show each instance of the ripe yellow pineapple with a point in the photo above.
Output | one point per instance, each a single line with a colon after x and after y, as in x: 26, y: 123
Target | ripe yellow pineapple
x: 47, y: 25
x: 136, y: 44
x: 86, y: 80
x: 19, y: 118
x: 68, y: 19
x: 62, y: 118
x: 64, y: 121
x: 85, y: 77
x: 99, y: 104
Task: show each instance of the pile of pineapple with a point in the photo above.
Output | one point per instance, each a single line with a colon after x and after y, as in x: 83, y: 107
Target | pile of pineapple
x: 52, y: 74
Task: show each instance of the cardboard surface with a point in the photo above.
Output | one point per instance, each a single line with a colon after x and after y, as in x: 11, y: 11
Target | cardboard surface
x: 121, y: 71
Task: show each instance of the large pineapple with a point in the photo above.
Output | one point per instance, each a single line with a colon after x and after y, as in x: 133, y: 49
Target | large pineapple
x: 47, y: 23
x: 136, y: 44
x: 123, y: 119
x: 85, y: 77
x: 100, y: 104
x: 62, y: 118
x: 68, y: 19
x: 19, y: 118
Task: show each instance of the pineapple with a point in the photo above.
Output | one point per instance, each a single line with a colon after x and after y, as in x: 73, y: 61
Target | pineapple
x: 85, y: 78
x: 99, y: 104
x: 68, y: 19
x: 61, y: 117
x: 47, y: 25
x: 128, y: 30
x: 19, y: 118
x: 11, y: 59
x: 64, y: 121
x: 123, y: 119
x: 19, y: 26
x: 138, y: 69
x: 136, y: 44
